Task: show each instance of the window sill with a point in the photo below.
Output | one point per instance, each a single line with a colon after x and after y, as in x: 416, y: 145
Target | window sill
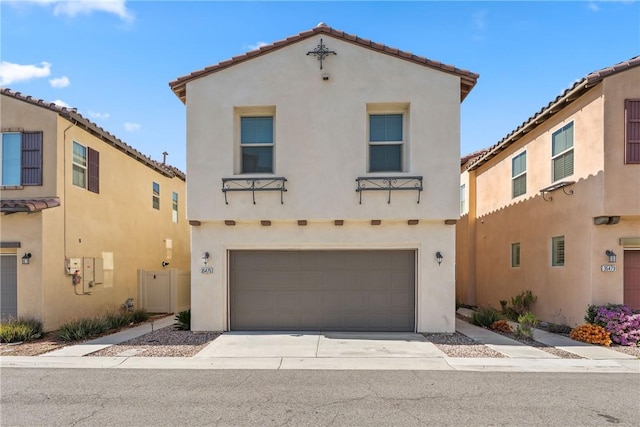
x: 12, y: 187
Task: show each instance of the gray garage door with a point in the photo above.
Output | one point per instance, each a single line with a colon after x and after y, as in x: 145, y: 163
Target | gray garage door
x: 322, y: 290
x: 8, y: 286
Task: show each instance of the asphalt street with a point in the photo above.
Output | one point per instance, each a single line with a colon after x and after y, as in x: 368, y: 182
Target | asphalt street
x: 111, y: 397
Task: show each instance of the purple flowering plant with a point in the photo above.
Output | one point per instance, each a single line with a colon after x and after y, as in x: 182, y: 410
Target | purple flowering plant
x: 620, y: 321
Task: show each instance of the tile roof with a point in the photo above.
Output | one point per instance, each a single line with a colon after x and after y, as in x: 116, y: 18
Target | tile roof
x: 28, y: 205
x: 467, y: 78
x: 73, y: 116
x: 578, y: 89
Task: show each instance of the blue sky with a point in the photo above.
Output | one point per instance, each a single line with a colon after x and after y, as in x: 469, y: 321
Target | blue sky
x: 112, y: 60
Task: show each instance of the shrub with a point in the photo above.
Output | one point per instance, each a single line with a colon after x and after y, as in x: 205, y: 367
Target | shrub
x: 82, y: 329
x: 184, y: 320
x: 620, y: 321
x: 502, y: 326
x: 485, y: 316
x: 117, y: 320
x: 21, y: 329
x: 522, y: 303
x: 526, y: 323
x: 592, y: 334
x: 559, y: 328
x: 139, y: 315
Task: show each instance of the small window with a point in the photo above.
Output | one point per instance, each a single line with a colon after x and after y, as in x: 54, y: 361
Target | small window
x: 562, y: 152
x: 557, y: 251
x: 463, y: 199
x: 11, y: 148
x: 515, y: 254
x: 79, y: 165
x: 386, y: 142
x: 21, y: 159
x: 174, y: 207
x: 256, y: 144
x: 632, y: 131
x: 519, y: 175
x: 156, y: 196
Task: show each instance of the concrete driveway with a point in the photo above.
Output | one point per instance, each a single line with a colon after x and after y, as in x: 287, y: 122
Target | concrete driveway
x: 320, y: 345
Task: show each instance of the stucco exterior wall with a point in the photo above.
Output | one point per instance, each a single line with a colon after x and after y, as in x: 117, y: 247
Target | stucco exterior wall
x: 118, y: 224
x: 434, y: 283
x: 604, y: 186
x: 321, y: 134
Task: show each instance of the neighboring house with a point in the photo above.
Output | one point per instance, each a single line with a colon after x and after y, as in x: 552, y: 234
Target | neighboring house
x: 284, y: 144
x: 81, y: 213
x: 555, y: 206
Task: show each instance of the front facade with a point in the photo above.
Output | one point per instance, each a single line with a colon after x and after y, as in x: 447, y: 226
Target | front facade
x: 285, y: 147
x: 81, y: 213
x: 555, y: 206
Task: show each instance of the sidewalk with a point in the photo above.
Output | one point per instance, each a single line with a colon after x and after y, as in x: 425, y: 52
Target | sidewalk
x: 520, y: 357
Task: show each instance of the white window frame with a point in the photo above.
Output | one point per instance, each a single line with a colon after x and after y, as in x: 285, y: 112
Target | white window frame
x: 401, y: 142
x: 272, y: 144
x: 83, y: 168
x: 155, y: 196
x: 521, y: 175
x: 563, y: 153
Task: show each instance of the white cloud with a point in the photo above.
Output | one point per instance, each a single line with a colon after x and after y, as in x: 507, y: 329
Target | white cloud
x: 480, y: 20
x: 593, y: 6
x: 11, y: 73
x: 95, y: 115
x: 60, y: 82
x: 131, y: 127
x: 61, y: 103
x: 255, y: 46
x: 73, y: 8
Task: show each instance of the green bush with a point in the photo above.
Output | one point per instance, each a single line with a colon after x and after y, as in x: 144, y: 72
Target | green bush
x: 82, y: 329
x: 184, y: 320
x: 526, y: 323
x: 118, y: 319
x: 139, y: 315
x: 21, y: 329
x: 485, y: 316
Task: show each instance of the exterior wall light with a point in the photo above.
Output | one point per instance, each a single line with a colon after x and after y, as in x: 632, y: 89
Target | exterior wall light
x: 26, y: 257
x: 439, y: 257
x: 205, y: 258
x: 611, y: 255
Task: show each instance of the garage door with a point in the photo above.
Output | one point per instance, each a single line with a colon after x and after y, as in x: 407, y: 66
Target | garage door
x: 322, y: 290
x: 632, y: 279
x: 8, y: 286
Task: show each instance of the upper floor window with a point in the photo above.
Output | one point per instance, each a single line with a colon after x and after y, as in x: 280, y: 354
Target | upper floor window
x: 155, y: 202
x: 632, y: 131
x: 463, y: 199
x: 86, y: 167
x: 562, y: 152
x: 557, y: 251
x: 519, y: 175
x: 256, y: 144
x: 174, y: 207
x: 21, y: 159
x: 386, y: 142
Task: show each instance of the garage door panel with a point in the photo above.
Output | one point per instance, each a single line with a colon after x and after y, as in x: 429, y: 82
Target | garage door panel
x: 322, y: 290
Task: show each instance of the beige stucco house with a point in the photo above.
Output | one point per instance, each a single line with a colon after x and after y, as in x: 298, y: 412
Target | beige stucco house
x: 323, y: 189
x: 81, y: 212
x: 555, y: 206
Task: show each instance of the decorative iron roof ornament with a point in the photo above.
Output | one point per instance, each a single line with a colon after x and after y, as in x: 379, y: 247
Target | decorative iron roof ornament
x: 321, y: 52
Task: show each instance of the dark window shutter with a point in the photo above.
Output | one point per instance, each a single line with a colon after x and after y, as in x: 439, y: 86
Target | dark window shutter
x: 93, y: 170
x: 632, y: 107
x: 31, y: 173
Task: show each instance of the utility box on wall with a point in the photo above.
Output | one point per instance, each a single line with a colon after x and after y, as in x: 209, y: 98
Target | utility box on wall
x: 93, y: 273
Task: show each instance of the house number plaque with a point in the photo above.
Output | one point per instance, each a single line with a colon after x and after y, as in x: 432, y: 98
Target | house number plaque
x: 607, y: 268
x: 206, y: 270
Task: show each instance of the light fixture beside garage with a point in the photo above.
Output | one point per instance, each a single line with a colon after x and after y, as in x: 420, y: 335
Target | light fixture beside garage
x: 26, y: 257
x: 439, y: 257
x: 612, y: 256
x: 205, y: 258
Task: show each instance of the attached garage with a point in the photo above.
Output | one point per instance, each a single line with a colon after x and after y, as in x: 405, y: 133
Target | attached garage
x: 366, y: 290
x: 632, y: 279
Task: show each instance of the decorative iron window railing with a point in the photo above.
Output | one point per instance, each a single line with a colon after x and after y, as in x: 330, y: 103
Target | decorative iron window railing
x: 253, y: 185
x: 557, y: 186
x: 389, y: 184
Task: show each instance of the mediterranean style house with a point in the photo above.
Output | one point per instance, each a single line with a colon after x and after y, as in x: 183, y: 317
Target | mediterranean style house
x: 323, y: 189
x: 81, y: 213
x: 555, y: 206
